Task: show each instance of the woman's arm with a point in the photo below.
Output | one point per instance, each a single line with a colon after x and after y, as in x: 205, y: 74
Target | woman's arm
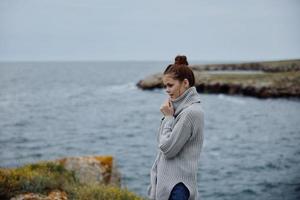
x: 171, y: 140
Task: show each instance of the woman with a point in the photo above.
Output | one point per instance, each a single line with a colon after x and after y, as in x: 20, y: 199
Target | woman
x: 180, y: 138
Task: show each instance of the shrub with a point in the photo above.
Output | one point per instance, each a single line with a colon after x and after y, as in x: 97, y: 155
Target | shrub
x: 45, y: 177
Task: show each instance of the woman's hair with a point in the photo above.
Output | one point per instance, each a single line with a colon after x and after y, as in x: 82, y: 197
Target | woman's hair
x: 181, y: 60
x: 180, y: 70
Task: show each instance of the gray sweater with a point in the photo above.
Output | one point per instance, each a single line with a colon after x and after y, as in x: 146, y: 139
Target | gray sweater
x: 180, y: 139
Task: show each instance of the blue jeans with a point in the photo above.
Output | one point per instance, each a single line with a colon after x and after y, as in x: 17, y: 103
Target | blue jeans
x: 179, y: 192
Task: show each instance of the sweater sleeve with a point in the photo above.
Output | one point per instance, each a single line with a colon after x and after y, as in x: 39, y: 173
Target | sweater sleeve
x: 172, y: 140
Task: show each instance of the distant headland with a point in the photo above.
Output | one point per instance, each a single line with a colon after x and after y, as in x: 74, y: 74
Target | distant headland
x: 269, y: 79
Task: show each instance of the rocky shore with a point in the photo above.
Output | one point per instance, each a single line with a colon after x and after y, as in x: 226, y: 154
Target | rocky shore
x: 259, y: 79
x: 88, y: 177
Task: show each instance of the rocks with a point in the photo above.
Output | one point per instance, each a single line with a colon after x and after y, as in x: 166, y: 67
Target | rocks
x: 54, y: 195
x: 86, y: 177
x: 151, y: 82
x: 248, y: 90
x: 284, y: 83
x: 87, y: 170
x: 93, y: 169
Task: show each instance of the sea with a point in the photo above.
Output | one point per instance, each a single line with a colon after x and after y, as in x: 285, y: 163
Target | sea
x: 51, y: 110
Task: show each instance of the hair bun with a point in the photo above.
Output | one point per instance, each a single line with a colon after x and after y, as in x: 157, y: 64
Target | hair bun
x: 181, y: 60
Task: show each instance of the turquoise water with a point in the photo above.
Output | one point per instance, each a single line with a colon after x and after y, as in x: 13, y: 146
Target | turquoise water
x: 52, y: 110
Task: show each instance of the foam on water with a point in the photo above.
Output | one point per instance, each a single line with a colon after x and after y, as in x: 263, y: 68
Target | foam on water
x: 232, y: 99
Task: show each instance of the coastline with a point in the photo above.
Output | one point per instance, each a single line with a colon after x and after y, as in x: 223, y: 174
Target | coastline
x: 272, y: 79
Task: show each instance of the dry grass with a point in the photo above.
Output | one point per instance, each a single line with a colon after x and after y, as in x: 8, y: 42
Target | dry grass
x: 45, y: 177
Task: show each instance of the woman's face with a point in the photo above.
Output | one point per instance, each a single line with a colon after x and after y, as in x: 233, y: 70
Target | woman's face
x: 173, y: 87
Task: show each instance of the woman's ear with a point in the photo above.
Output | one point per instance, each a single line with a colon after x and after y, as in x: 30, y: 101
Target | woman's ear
x: 186, y: 83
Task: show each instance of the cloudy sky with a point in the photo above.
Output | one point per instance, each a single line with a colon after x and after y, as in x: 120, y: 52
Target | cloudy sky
x: 207, y: 30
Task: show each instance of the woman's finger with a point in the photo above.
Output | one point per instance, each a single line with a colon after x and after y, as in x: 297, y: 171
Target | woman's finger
x: 170, y: 103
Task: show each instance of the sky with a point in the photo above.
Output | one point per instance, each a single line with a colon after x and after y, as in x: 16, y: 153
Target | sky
x: 203, y: 30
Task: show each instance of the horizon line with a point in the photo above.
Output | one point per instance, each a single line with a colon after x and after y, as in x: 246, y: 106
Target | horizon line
x: 146, y: 60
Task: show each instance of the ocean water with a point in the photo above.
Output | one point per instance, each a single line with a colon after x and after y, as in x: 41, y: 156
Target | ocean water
x: 50, y: 110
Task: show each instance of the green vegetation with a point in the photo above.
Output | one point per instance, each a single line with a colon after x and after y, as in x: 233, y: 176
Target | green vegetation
x: 88, y: 192
x: 279, y: 79
x: 269, y: 66
x: 44, y: 177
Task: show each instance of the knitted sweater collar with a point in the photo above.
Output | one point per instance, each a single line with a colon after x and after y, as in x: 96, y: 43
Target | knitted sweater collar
x: 189, y: 97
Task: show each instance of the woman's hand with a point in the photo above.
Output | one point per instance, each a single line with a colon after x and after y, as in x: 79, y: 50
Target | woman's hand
x: 167, y: 108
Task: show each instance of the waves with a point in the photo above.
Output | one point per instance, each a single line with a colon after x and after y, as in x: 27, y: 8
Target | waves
x: 121, y: 88
x: 232, y: 99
